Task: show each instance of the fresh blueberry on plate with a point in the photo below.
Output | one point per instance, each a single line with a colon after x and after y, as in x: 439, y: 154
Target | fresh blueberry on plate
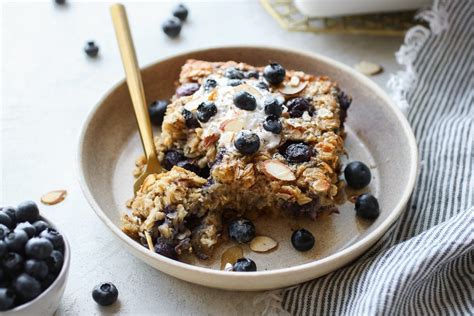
x: 6, y: 220
x: 36, y: 268
x: 16, y: 240
x: 38, y: 248
x: 157, y: 111
x: 190, y: 119
x: 55, y: 261
x: 105, y: 294
x: 7, y: 299
x: 26, y: 286
x: 12, y: 262
x: 172, y: 27
x: 209, y: 84
x: 247, y: 143
x: 357, y: 175
x: 241, y: 230
x: 27, y: 212
x: 10, y: 211
x: 234, y: 73
x: 91, y: 49
x: 272, y: 106
x: 165, y: 248
x: 245, y: 101
x: 367, y: 206
x: 54, y: 237
x: 40, y: 226
x: 181, y: 12
x: 297, y: 106
x: 274, y: 73
x: 244, y: 265
x: 29, y: 229
x: 302, y: 240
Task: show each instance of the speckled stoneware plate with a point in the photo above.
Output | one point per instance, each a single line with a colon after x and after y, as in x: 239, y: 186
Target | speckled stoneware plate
x: 377, y: 133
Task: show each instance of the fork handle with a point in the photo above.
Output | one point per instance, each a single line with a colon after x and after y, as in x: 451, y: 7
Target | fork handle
x: 134, y: 79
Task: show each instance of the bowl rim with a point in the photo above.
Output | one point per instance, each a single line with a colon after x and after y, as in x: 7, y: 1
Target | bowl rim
x: 62, y: 274
x: 344, y: 254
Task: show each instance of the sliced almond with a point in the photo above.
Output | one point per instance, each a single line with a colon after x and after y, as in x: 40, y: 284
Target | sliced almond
x: 228, y: 267
x: 263, y: 244
x: 193, y: 104
x: 368, y: 68
x: 54, y: 197
x: 278, y: 170
x: 248, y: 88
x: 321, y: 185
x: 291, y: 90
x: 231, y: 255
x: 234, y: 125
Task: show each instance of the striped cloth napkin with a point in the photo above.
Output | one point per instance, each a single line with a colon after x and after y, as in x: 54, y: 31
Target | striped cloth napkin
x: 425, y: 264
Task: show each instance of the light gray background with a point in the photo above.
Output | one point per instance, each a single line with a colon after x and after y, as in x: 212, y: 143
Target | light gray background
x: 49, y: 86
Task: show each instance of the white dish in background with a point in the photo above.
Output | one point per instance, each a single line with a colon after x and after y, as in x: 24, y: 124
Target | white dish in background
x: 332, y: 8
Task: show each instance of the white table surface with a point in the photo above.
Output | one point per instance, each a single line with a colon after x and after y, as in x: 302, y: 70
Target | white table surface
x: 49, y: 86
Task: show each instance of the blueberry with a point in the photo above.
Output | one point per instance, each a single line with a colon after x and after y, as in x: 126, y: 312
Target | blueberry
x: 187, y: 89
x: 40, y: 226
x: 205, y: 111
x: 181, y: 12
x: 297, y: 106
x: 36, y: 268
x: 16, y: 240
x: 245, y: 101
x: 26, y: 287
x: 233, y: 73
x: 274, y: 73
x: 344, y: 100
x: 172, y: 157
x: 252, y: 74
x: 298, y: 153
x: 7, y: 299
x: 157, y: 111
x: 4, y: 230
x: 272, y: 124
x: 54, y: 237
x: 165, y: 248
x: 6, y: 220
x: 209, y: 84
x: 357, y: 175
x: 189, y: 119
x: 172, y: 27
x: 12, y: 263
x: 38, y: 248
x: 10, y: 211
x: 105, y: 294
x: 29, y: 229
x: 247, y: 143
x: 272, y: 106
x: 27, y: 212
x: 244, y: 265
x: 241, y: 230
x: 367, y: 206
x: 234, y: 82
x: 262, y: 85
x: 3, y: 248
x: 91, y: 49
x: 302, y: 240
x: 189, y: 165
x: 55, y: 261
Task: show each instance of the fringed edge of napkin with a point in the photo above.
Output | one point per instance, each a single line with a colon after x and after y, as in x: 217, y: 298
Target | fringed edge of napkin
x: 400, y: 83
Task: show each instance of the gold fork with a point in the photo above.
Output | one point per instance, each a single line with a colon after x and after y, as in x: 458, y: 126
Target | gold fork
x: 137, y: 93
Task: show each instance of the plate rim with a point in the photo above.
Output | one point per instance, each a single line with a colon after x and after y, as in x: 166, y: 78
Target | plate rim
x: 345, y: 255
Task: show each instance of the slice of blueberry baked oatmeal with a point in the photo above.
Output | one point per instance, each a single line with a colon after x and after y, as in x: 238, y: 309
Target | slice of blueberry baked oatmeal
x: 239, y: 139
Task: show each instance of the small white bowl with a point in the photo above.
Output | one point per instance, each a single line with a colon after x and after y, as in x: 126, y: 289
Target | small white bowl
x: 48, y: 301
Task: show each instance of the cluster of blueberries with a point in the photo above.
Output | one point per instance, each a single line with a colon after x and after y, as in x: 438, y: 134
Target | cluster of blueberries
x: 172, y: 26
x: 31, y: 254
x: 242, y: 230
x: 358, y: 176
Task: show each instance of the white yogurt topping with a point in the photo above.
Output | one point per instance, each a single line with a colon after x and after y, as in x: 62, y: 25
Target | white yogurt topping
x: 229, y: 119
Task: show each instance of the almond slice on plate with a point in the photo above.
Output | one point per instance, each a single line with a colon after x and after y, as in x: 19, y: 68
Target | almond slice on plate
x: 288, y: 89
x: 248, y: 88
x: 231, y: 255
x: 263, y: 244
x: 278, y: 170
x: 234, y: 125
x: 54, y: 197
x: 368, y: 68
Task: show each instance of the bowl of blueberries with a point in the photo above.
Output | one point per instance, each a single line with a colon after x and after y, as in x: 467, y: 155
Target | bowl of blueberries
x: 34, y: 262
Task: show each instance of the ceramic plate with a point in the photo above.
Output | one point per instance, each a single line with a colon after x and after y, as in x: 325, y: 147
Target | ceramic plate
x: 377, y: 133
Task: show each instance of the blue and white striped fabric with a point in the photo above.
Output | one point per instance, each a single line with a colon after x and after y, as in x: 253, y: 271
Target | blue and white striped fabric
x: 425, y: 264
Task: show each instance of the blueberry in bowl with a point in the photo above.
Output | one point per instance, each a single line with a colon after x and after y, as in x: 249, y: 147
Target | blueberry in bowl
x: 34, y: 257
